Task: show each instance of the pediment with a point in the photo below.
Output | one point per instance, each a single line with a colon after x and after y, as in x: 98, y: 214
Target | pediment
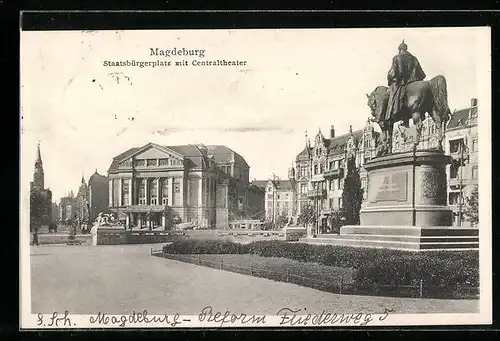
x: 154, y: 155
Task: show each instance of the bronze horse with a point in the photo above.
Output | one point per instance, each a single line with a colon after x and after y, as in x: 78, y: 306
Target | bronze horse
x: 421, y: 97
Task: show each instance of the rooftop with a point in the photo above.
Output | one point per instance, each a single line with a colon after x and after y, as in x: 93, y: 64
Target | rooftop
x: 460, y: 118
x: 196, y: 155
x: 335, y: 145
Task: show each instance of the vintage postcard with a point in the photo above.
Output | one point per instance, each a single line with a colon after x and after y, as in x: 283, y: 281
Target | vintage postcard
x: 255, y: 178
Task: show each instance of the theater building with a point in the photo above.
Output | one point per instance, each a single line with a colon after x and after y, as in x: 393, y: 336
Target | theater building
x: 155, y: 186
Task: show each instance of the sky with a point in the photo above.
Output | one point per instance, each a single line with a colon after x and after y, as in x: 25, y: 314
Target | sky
x: 83, y: 114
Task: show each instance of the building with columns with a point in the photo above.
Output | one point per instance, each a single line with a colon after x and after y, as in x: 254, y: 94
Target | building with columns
x: 153, y: 186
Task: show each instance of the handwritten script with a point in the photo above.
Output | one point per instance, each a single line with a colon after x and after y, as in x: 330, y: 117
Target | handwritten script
x: 286, y: 317
x: 55, y: 320
x: 299, y: 317
x: 135, y: 318
x: 207, y: 315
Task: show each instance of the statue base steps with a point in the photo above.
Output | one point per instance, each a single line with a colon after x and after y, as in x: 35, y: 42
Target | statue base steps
x: 410, y: 238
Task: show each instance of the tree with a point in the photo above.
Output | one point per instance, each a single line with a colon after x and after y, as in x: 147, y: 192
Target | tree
x: 38, y: 208
x: 307, y: 215
x: 352, y: 195
x: 472, y: 207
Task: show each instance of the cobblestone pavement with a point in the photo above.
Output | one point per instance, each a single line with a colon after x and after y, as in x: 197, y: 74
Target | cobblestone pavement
x: 120, y: 279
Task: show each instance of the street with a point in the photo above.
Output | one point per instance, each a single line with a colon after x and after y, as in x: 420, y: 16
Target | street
x: 122, y: 278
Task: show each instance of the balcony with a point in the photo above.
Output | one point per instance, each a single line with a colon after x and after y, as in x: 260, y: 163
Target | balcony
x: 316, y: 193
x: 334, y: 173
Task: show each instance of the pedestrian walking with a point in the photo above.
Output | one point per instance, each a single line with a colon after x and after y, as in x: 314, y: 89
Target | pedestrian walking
x: 35, y: 236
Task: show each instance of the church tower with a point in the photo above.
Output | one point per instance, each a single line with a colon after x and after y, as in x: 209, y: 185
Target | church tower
x: 38, y: 177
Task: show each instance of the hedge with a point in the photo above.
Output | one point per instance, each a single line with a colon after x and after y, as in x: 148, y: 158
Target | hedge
x: 373, y: 266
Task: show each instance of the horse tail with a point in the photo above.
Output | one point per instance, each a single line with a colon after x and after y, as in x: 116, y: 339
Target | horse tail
x: 440, y: 94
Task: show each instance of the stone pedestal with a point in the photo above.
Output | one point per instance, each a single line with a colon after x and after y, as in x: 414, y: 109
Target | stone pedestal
x: 406, y: 207
x: 407, y: 189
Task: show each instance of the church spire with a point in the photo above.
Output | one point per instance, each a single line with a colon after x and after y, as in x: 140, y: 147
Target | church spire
x: 38, y: 177
x: 38, y: 155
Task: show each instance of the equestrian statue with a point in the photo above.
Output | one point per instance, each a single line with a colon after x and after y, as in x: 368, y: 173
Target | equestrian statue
x: 408, y: 96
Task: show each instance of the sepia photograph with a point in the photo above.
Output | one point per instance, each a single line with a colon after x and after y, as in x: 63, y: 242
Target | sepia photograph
x: 255, y: 178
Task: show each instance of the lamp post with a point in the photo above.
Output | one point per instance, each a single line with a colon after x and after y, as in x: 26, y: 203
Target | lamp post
x: 275, y: 181
x: 317, y: 208
x: 460, y: 196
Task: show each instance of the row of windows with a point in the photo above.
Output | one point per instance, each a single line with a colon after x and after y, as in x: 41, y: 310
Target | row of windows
x: 332, y: 165
x: 153, y: 186
x: 322, y: 204
x: 154, y: 162
x: 280, y: 207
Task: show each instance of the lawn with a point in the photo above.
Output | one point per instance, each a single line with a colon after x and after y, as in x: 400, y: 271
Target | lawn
x: 340, y: 269
x: 283, y: 269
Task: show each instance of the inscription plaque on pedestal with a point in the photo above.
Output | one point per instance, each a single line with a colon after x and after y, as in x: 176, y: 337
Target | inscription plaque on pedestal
x: 388, y: 187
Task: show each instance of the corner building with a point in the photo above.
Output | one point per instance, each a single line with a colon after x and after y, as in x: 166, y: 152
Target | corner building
x: 205, y: 185
x: 320, y: 167
x: 462, y: 144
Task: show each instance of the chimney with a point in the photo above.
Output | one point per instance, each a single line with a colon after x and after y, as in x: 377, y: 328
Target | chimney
x: 473, y: 102
x: 332, y: 132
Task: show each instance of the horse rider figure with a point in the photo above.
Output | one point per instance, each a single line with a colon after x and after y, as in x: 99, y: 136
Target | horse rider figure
x: 405, y: 69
